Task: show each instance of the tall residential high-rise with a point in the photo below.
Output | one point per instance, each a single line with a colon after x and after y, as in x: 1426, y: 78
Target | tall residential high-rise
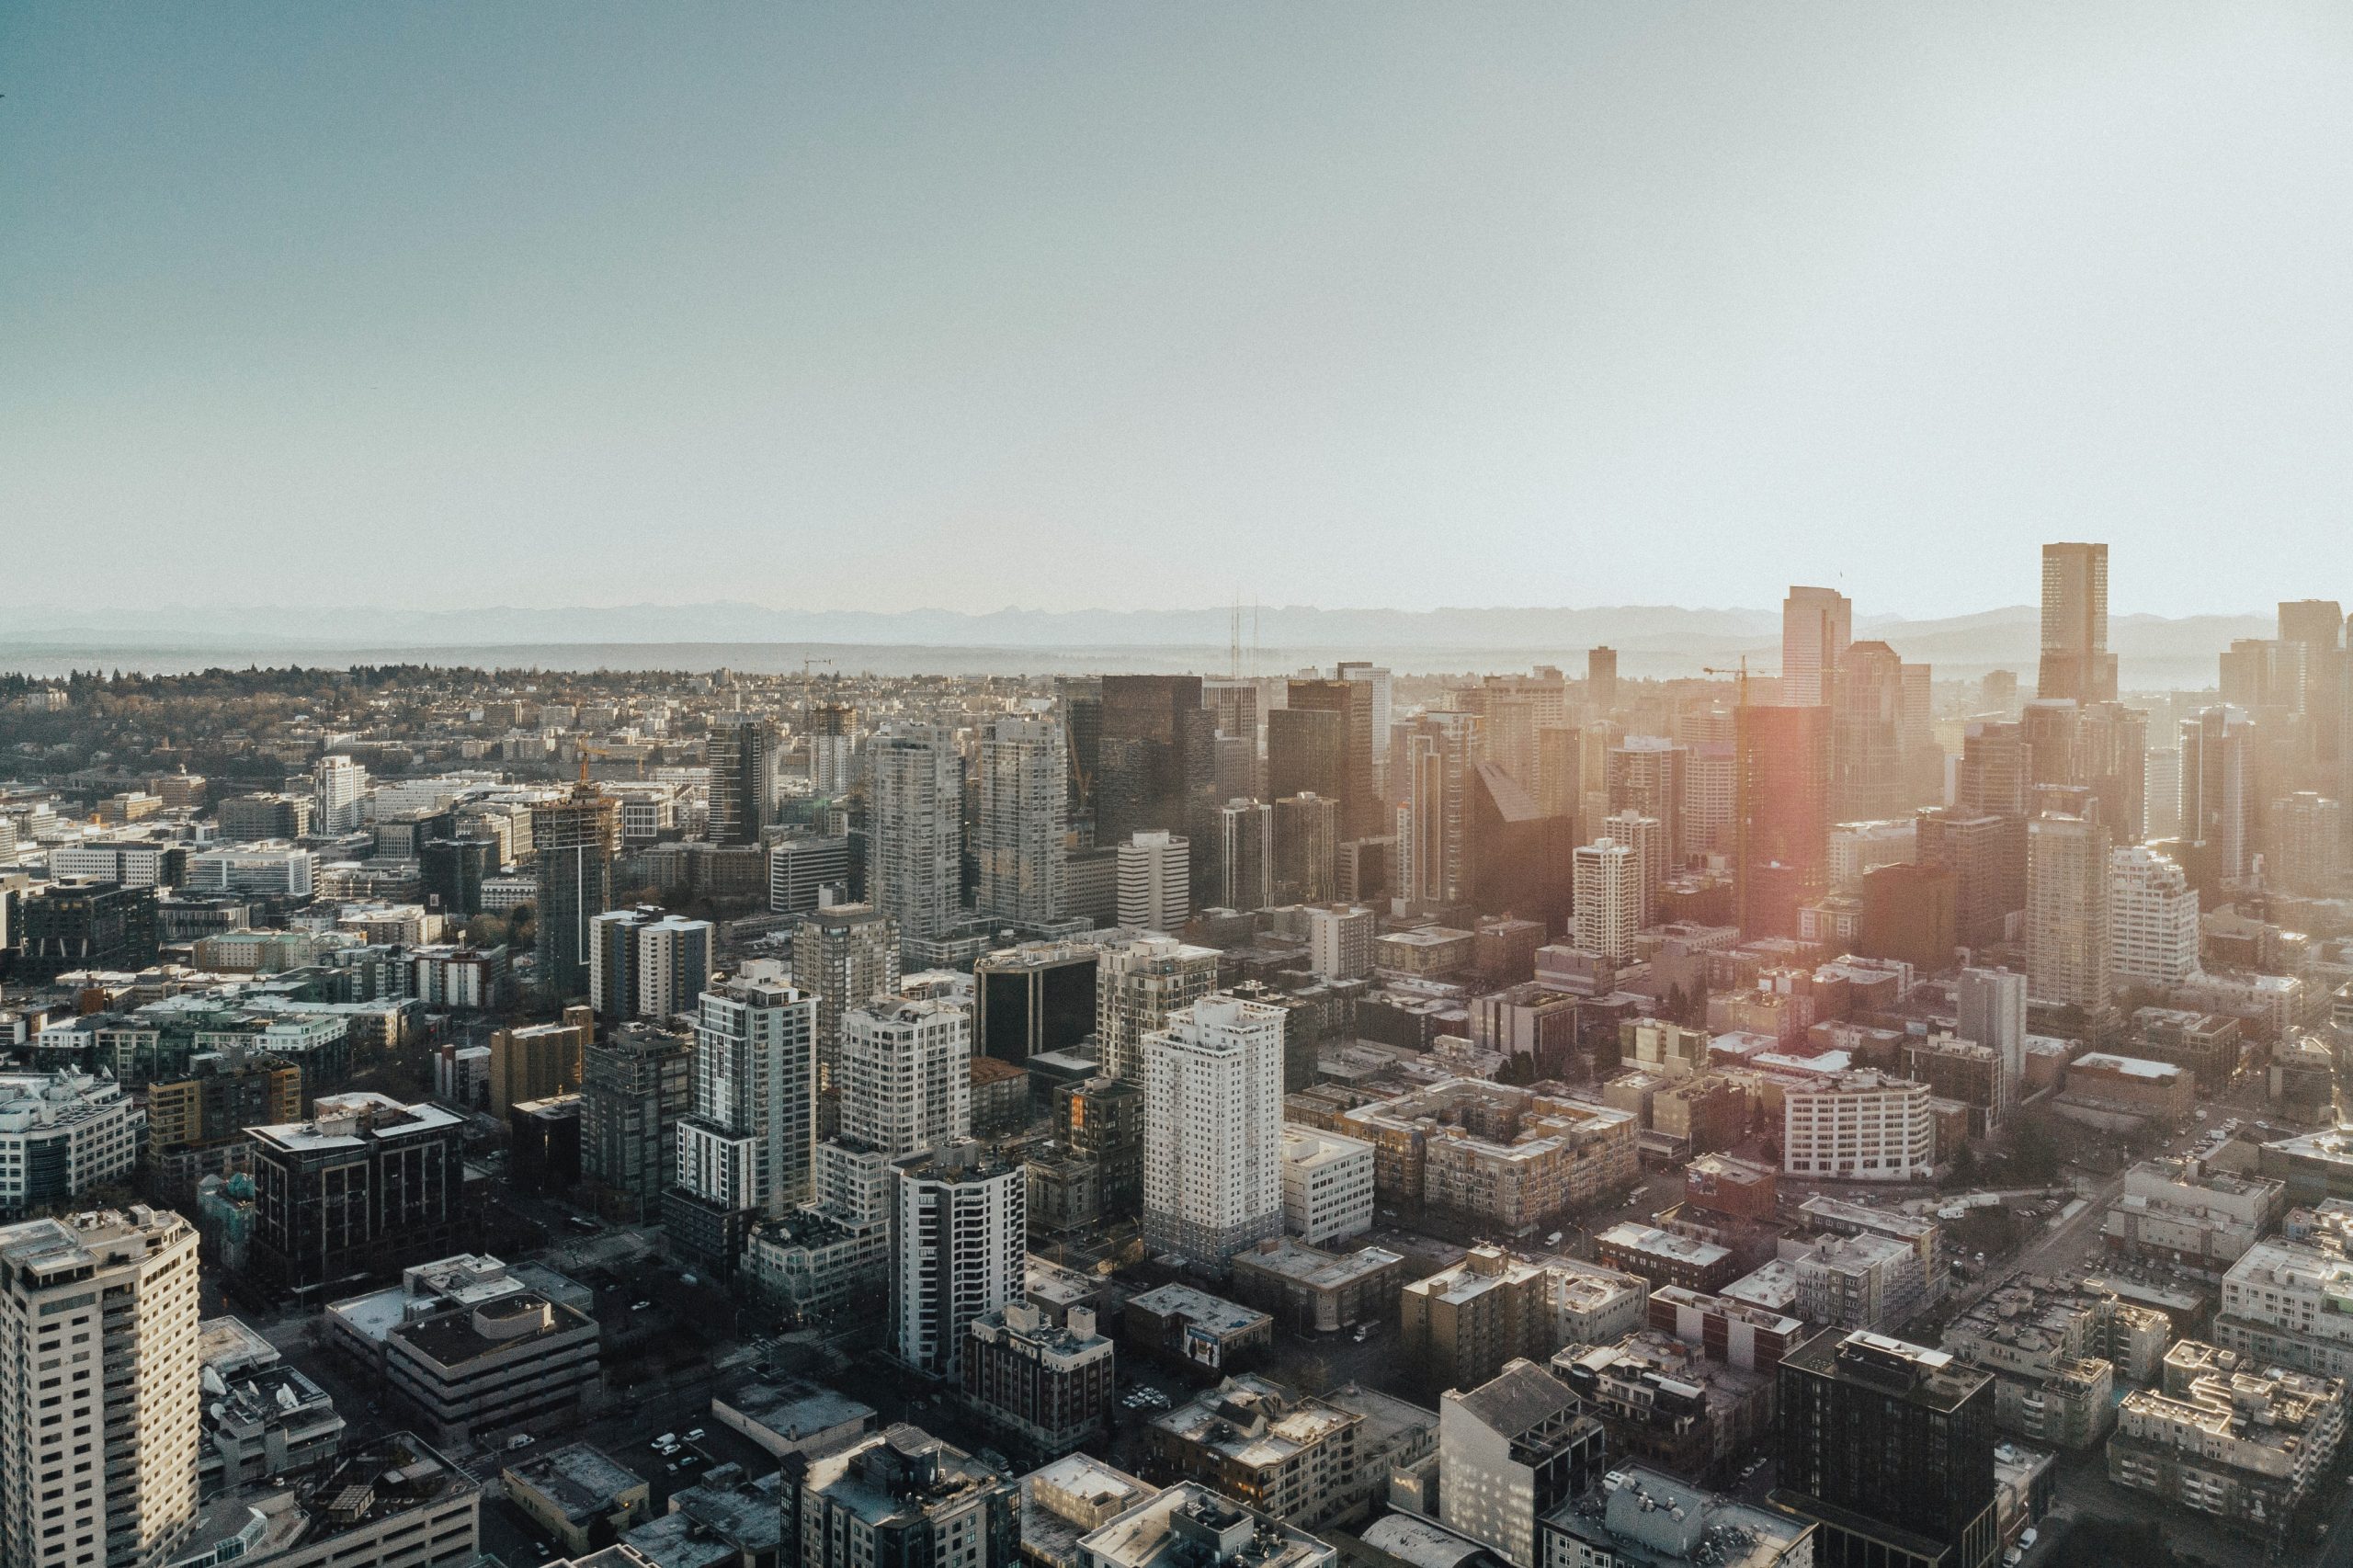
x: 843, y: 956
x: 2161, y: 793
x: 99, y: 1378
x: 1380, y: 713
x: 636, y: 1085
x: 1213, y: 1125
x: 2306, y: 849
x: 2152, y: 919
x: 1307, y: 849
x: 2067, y: 910
x: 832, y: 749
x: 1437, y: 754
x: 1649, y: 776
x: 647, y: 963
x: 2218, y: 788
x: 1647, y: 837
x: 1608, y: 899
x: 906, y: 1074
x: 739, y: 751
x: 915, y: 834
x: 1352, y: 700
x: 575, y: 839
x: 1139, y: 985
x: 1021, y: 839
x: 1601, y: 678
x: 1339, y: 940
x: 1782, y: 815
x: 748, y: 1148
x: 2076, y: 660
x: 1155, y: 882
x: 1890, y: 1448
x: 961, y: 1243
x: 1245, y: 855
x: 339, y: 786
x: 1816, y: 626
x: 1991, y: 1005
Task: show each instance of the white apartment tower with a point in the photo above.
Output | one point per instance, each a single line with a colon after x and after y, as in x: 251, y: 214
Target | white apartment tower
x: 1859, y: 1126
x: 915, y: 844
x: 1139, y: 986
x: 961, y: 1243
x: 1991, y: 1007
x: 339, y: 786
x: 2152, y: 919
x: 1155, y: 882
x: 1647, y: 837
x: 906, y: 1075
x: 843, y: 956
x: 2067, y: 910
x: 1608, y: 899
x: 99, y: 1387
x: 1214, y: 1130
x: 750, y: 1141
x: 1024, y: 817
x: 1817, y: 625
x: 1339, y: 940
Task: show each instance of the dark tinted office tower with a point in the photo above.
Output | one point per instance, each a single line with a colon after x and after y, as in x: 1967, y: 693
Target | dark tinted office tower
x: 2076, y: 660
x: 1154, y: 756
x: 635, y: 1087
x: 70, y: 925
x: 2112, y: 758
x: 451, y: 871
x: 1987, y: 855
x: 365, y: 1187
x: 1781, y: 790
x: 1865, y: 741
x: 2052, y: 731
x: 1601, y: 678
x: 1307, y: 850
x: 1246, y: 862
x: 1034, y: 998
x: 1522, y: 860
x: 1081, y: 708
x: 2317, y: 626
x: 1307, y: 752
x: 1891, y: 1446
x: 1560, y: 768
x: 737, y: 750
x: 576, y: 838
x: 1352, y: 699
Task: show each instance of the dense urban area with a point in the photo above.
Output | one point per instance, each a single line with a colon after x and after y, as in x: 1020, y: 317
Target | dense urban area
x: 1827, y: 1115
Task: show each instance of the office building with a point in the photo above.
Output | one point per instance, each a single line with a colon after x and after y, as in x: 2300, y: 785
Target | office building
x: 1649, y: 1518
x: 1212, y: 1161
x: 1034, y: 998
x: 1817, y: 624
x: 2183, y: 1213
x: 1155, y: 882
x: 1140, y: 984
x: 62, y: 1134
x: 1517, y: 856
x: 1987, y: 857
x: 636, y: 1085
x: 747, y: 1147
x: 1047, y: 1385
x: 450, y: 872
x: 914, y: 836
x: 1023, y: 824
x: 809, y: 873
x: 259, y: 869
x: 196, y: 1123
x: 900, y: 1495
x: 961, y: 1241
x: 244, y: 818
x: 1380, y: 711
x: 338, y: 792
x: 1246, y: 857
x: 905, y: 1076
x: 113, y: 1294
x: 2075, y: 660
x: 1783, y: 859
x: 1311, y: 1290
x: 2218, y: 788
x: 1909, y: 916
x: 738, y: 750
x: 1512, y: 1451
x: 575, y: 839
x: 2152, y: 919
x: 645, y: 963
x: 1307, y: 753
x: 366, y: 1184
x: 1435, y: 761
x: 2068, y: 927
x: 2307, y: 844
x: 1155, y: 767
x: 1889, y: 1448
x: 1307, y: 849
x: 1609, y: 900
x: 1601, y: 678
x: 65, y: 927
x: 1361, y: 739
x: 482, y: 1359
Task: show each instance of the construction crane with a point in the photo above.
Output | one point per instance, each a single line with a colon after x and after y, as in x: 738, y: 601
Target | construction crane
x: 585, y: 752
x: 809, y: 684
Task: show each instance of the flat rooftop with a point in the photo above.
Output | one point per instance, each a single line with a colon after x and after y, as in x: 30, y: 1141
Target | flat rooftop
x: 1214, y: 1313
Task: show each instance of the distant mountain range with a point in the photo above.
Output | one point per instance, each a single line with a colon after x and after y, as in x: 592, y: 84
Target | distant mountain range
x: 1652, y: 639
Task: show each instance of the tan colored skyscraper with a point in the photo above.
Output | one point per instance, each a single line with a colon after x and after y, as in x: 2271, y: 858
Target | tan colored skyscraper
x: 2076, y: 660
x: 1816, y: 626
x: 2067, y: 890
x: 98, y: 1372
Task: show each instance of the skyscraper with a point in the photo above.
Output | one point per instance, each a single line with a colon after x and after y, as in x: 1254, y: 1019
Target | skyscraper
x: 1782, y: 826
x: 98, y: 1375
x: 1307, y: 752
x: 1608, y: 903
x: 962, y: 1243
x: 2067, y: 929
x: 1867, y: 735
x: 1991, y: 1004
x: 1024, y: 820
x: 1518, y: 857
x: 339, y: 786
x: 915, y: 842
x: 746, y: 1151
x: 575, y: 839
x: 1352, y: 700
x: 1381, y: 711
x: 843, y: 956
x: 1037, y: 997
x: 1816, y: 626
x: 1139, y: 985
x: 1889, y: 1447
x: 1648, y: 777
x: 1155, y: 766
x: 2317, y: 626
x: 1155, y: 882
x: 647, y: 963
x: 1245, y: 859
x: 2076, y: 660
x: 1213, y: 1118
x: 1601, y: 678
x: 2152, y: 919
x: 1646, y: 836
x: 2307, y: 844
x: 832, y: 749
x: 1307, y: 849
x: 636, y: 1085
x: 2218, y: 788
x: 906, y: 1074
x: 738, y: 750
x: 1438, y: 754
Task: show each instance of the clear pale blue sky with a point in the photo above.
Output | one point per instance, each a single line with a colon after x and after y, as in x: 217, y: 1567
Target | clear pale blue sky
x: 880, y: 306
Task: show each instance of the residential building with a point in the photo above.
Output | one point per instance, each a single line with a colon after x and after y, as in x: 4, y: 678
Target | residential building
x: 1512, y: 1451
x: 901, y: 1495
x: 1328, y: 1185
x: 738, y: 750
x: 2068, y: 917
x: 960, y: 1239
x: 1662, y: 1403
x: 195, y: 1123
x: 2219, y: 788
x: 1862, y: 1125
x: 1509, y: 1157
x: 1650, y: 1519
x: 1192, y: 1525
x: 1608, y: 899
x: 1294, y: 1458
x: 1433, y: 767
x: 1101, y: 1120
x: 747, y: 1147
x: 1212, y: 1156
x: 1740, y: 1334
x: 1155, y: 882
x: 62, y: 1134
x: 1307, y: 847
x: 2230, y: 1438
x: 646, y: 963
x: 1245, y: 855
x: 573, y: 840
x: 1466, y: 1321
x: 1140, y: 984
x: 915, y: 838
x: 1048, y: 1386
x: 1023, y: 821
x: 636, y: 1085
x: 122, y: 1286
x: 843, y: 956
x: 1991, y: 1007
x: 1782, y: 842
x: 338, y: 790
x: 905, y: 1077
x: 533, y: 1060
x: 365, y: 1186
